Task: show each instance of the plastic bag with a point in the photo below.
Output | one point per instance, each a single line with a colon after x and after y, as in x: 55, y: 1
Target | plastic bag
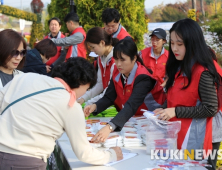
x: 217, y: 126
x: 161, y: 135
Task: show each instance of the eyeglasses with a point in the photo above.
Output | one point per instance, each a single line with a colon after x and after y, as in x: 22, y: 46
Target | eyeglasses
x: 16, y: 53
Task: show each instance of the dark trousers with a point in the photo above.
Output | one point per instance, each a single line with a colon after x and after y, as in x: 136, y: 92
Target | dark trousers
x: 213, y: 162
x: 18, y: 162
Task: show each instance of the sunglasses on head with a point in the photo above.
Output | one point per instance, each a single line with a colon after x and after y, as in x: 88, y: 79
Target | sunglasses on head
x: 15, y: 53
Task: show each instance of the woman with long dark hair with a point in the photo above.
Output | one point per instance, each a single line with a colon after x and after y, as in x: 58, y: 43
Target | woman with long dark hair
x: 132, y: 85
x: 193, y: 85
x: 101, y: 43
x: 12, y: 53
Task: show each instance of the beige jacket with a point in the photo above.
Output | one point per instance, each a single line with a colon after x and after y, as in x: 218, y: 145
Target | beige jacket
x: 31, y: 126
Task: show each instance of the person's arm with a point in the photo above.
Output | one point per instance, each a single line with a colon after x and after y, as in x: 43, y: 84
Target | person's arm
x: 96, y: 90
x: 68, y: 41
x: 99, y: 96
x: 42, y: 69
x: 208, y: 96
x: 142, y: 86
x: 60, y: 59
x: 74, y: 125
x: 107, y: 100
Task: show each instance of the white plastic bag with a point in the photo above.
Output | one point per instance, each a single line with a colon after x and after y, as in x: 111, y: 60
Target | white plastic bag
x: 161, y: 135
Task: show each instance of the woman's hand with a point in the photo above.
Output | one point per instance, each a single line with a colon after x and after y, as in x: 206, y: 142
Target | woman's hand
x: 81, y: 101
x: 165, y: 81
x: 101, y: 135
x: 48, y: 68
x: 165, y: 114
x: 89, y: 109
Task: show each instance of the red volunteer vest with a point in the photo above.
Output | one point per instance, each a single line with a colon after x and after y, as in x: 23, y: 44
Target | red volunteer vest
x: 105, y: 72
x: 123, y: 93
x: 176, y: 96
x: 157, y: 66
x: 122, y: 34
x: 81, y: 51
x: 219, y: 71
x: 53, y: 59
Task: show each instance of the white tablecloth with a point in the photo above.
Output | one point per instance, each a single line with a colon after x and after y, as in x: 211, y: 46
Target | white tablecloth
x: 139, y: 162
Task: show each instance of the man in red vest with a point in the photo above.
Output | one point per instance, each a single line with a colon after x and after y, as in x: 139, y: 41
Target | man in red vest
x: 112, y: 26
x: 110, y: 18
x: 75, y: 42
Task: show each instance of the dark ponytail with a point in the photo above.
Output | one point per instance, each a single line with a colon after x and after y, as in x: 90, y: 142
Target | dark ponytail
x: 96, y: 34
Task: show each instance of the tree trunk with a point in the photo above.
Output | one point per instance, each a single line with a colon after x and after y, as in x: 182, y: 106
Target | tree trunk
x: 216, y: 7
x: 193, y: 4
x: 202, y: 8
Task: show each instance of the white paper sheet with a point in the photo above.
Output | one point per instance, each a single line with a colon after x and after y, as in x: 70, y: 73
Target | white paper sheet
x: 92, y: 54
x: 125, y: 157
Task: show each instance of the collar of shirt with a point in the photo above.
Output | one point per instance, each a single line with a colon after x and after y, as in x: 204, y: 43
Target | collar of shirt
x: 106, y: 59
x: 117, y: 31
x: 153, y: 55
x: 53, y: 37
x: 125, y: 78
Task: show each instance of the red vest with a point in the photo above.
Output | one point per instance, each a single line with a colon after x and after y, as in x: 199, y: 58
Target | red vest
x: 157, y: 66
x: 219, y: 71
x: 53, y: 59
x: 189, y: 97
x: 81, y: 51
x: 105, y: 72
x: 123, y: 93
x: 121, y: 33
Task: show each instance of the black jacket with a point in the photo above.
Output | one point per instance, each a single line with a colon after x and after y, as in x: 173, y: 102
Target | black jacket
x: 34, y: 63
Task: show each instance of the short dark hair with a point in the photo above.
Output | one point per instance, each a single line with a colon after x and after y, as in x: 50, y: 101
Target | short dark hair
x: 110, y: 14
x: 56, y: 19
x: 9, y: 41
x: 96, y: 34
x: 72, y: 16
x: 47, y: 48
x: 76, y: 71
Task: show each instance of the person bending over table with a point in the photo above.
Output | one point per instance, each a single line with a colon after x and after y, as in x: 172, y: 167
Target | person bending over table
x: 37, y: 110
x: 98, y: 41
x: 131, y: 83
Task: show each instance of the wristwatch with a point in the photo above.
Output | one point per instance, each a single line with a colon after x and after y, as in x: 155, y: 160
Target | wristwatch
x: 110, y: 127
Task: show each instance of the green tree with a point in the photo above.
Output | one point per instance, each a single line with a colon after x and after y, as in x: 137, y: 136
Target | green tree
x: 155, y: 15
x: 211, y: 1
x: 216, y: 24
x: 170, y: 14
x: 90, y: 12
